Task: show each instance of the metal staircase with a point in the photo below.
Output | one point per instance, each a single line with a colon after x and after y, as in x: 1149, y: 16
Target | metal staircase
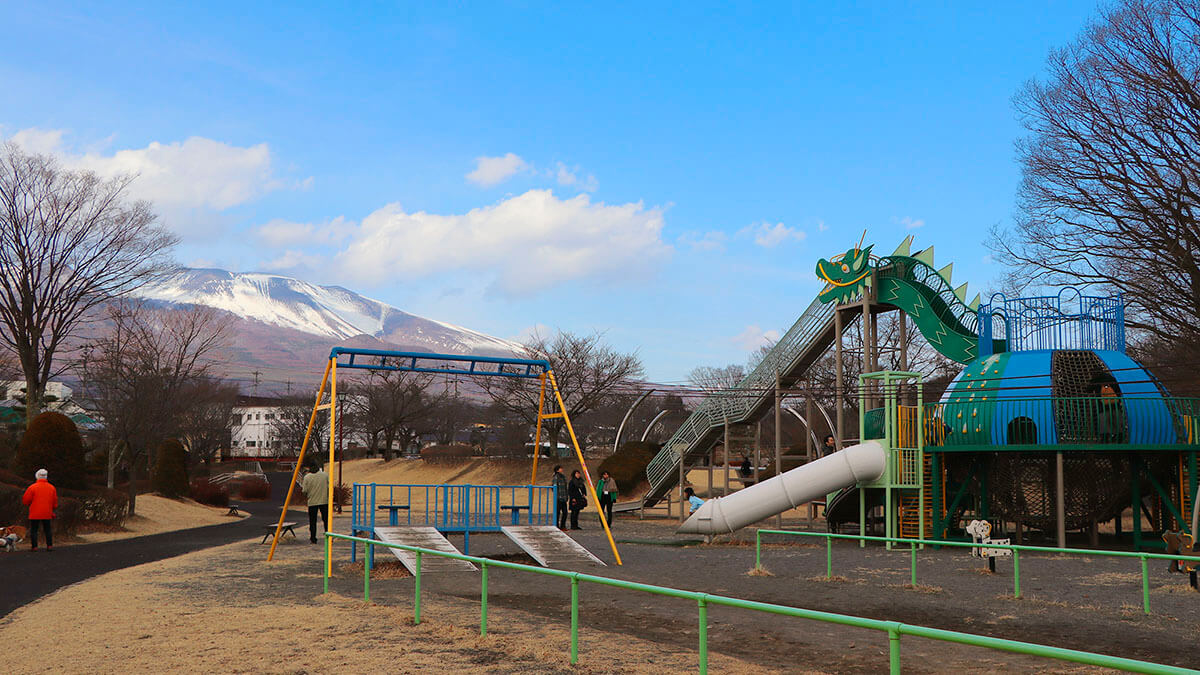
x: 795, y: 352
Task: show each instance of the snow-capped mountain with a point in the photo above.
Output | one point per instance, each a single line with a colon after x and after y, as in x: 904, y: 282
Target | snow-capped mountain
x: 330, y: 312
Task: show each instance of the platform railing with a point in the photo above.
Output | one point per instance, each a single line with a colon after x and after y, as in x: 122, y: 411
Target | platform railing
x: 915, y: 544
x: 453, y: 508
x: 989, y: 420
x: 894, y: 629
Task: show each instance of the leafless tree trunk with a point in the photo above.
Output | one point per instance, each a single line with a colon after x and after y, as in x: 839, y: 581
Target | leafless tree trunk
x: 1112, y: 167
x: 68, y: 241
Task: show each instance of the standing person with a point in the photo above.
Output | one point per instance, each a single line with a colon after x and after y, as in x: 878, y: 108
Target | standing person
x: 828, y: 446
x: 316, y: 491
x: 607, y: 489
x: 559, y: 481
x: 577, y: 494
x: 42, y: 499
x: 693, y: 501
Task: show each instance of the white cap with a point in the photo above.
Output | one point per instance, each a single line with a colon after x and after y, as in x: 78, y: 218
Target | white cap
x: 42, y: 473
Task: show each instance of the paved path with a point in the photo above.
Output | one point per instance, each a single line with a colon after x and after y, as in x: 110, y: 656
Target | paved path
x: 28, y: 576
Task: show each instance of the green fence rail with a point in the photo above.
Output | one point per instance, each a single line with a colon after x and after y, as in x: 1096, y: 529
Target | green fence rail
x: 893, y: 629
x: 1015, y: 548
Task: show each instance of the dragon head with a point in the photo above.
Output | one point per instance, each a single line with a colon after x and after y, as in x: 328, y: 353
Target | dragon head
x: 846, y: 275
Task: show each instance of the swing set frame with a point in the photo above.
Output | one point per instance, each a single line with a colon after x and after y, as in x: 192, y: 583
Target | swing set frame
x: 447, y: 364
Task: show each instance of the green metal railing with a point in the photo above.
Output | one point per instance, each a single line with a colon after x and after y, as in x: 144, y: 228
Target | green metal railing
x: 894, y: 629
x: 1015, y: 548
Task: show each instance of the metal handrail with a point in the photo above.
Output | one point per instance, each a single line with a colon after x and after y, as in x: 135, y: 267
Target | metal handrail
x: 894, y: 629
x: 1015, y: 548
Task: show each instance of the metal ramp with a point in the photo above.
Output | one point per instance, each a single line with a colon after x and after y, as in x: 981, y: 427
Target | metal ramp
x: 424, y: 537
x: 550, y: 546
x: 795, y: 352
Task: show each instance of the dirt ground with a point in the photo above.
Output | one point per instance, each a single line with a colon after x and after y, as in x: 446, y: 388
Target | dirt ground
x: 226, y: 609
x: 157, y: 514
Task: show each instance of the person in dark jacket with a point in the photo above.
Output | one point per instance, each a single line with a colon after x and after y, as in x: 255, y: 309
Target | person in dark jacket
x: 577, y: 495
x: 559, y: 482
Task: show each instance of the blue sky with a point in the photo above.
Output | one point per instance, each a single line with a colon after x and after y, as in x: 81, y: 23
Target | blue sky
x: 667, y: 174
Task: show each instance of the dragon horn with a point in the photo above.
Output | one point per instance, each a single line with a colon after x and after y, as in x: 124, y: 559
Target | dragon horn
x: 904, y: 247
x: 946, y: 273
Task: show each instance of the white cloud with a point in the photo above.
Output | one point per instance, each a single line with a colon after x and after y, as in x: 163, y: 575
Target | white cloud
x: 752, y: 337
x: 821, y: 226
x: 525, y: 243
x: 570, y: 177
x: 195, y: 173
x: 293, y: 261
x: 770, y: 236
x: 708, y: 241
x: 282, y: 233
x: 491, y: 171
x: 911, y: 223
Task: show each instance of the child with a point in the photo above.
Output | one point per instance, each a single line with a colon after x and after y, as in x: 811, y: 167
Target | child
x: 693, y: 501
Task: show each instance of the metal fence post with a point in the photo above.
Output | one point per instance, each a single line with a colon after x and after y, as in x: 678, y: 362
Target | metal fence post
x: 757, y: 549
x: 483, y: 598
x: 325, y: 567
x: 828, y: 557
x: 1145, y: 587
x: 1016, y: 573
x: 417, y: 591
x: 574, y: 619
x: 894, y: 649
x: 913, y: 549
x: 366, y: 583
x: 703, y: 607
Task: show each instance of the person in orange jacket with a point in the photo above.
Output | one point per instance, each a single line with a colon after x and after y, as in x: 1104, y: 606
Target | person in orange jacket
x: 42, y: 499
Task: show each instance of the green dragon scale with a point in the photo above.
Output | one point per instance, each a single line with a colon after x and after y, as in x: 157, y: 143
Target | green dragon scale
x: 912, y: 284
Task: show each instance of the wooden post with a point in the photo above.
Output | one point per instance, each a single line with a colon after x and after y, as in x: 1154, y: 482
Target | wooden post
x: 757, y: 448
x: 682, y: 479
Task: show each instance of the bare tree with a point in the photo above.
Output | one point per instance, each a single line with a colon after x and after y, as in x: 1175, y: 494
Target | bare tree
x: 587, y: 370
x: 1111, y: 166
x: 710, y: 379
x: 291, y: 424
x: 391, y: 406
x: 204, y: 420
x: 68, y: 242
x: 137, y: 375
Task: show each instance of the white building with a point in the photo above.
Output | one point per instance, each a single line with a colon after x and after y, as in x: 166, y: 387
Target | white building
x: 256, y: 426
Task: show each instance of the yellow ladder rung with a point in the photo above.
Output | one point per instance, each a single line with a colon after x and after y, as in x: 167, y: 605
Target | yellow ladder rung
x: 550, y: 416
x: 324, y: 406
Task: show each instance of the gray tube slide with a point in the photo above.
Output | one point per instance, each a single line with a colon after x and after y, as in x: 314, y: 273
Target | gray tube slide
x: 858, y: 463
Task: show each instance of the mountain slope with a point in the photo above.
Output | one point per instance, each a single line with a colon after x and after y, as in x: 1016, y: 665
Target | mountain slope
x: 332, y: 313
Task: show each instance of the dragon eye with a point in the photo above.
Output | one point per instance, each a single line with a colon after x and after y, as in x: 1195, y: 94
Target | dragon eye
x: 845, y: 268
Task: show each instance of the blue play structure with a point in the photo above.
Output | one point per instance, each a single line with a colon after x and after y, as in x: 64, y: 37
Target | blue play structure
x: 450, y: 508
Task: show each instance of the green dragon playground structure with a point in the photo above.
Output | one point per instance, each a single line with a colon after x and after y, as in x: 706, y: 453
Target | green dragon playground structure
x: 1049, y: 426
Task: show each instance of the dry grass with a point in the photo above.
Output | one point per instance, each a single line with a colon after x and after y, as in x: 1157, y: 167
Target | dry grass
x: 835, y: 579
x: 157, y: 514
x: 1110, y: 579
x: 383, y: 570
x: 760, y: 572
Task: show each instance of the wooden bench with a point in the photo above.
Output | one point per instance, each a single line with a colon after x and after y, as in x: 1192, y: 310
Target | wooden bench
x: 286, y: 528
x: 394, y: 512
x: 516, y: 512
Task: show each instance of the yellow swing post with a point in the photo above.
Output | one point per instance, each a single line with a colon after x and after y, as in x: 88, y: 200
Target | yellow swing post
x: 332, y: 450
x: 299, y: 461
x: 562, y: 408
x: 537, y: 435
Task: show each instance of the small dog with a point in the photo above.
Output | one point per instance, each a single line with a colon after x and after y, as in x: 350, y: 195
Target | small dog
x: 11, y: 536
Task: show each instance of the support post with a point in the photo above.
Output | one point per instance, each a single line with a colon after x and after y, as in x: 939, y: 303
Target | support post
x: 483, y: 598
x: 703, y: 637
x: 332, y: 437
x: 727, y: 448
x: 1060, y: 500
x: 757, y: 448
x: 682, y: 479
x: 537, y: 434
x: 574, y: 620
x: 1135, y: 469
x: 299, y: 461
x: 839, y: 387
x: 778, y: 440
x: 808, y: 440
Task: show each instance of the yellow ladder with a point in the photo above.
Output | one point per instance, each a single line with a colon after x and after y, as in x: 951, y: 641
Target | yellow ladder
x: 910, y: 511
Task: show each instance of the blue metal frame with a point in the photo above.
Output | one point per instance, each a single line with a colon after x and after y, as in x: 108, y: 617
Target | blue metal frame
x: 451, y: 508
x: 1068, y: 320
x: 379, y: 359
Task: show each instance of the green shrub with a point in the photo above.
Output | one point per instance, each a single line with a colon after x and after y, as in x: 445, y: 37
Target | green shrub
x: 170, y: 470
x: 52, y: 443
x: 628, y: 465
